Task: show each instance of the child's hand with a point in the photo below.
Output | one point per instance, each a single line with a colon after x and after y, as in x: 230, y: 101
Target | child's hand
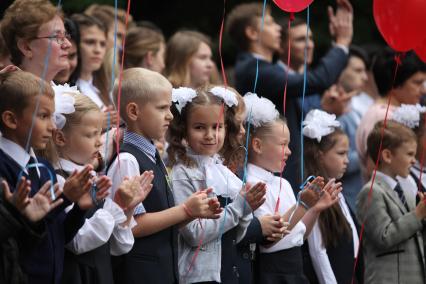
x: 198, y: 205
x: 254, y: 195
x: 112, y: 113
x: 102, y: 185
x: 329, y: 195
x: 214, y: 205
x: 78, y: 184
x: 421, y: 207
x: 133, y: 191
x: 35, y: 208
x: 309, y: 197
x: 273, y: 226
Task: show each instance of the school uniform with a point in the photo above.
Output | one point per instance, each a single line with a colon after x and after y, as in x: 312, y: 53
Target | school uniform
x: 281, y: 262
x: 216, y: 261
x: 393, y: 240
x: 334, y: 264
x: 88, y: 255
x: 153, y: 258
x: 44, y: 263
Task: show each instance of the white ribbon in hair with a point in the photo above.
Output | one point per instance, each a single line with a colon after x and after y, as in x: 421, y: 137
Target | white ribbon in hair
x: 408, y: 115
x: 319, y: 123
x: 181, y: 96
x: 64, y: 104
x: 259, y: 110
x: 228, y: 96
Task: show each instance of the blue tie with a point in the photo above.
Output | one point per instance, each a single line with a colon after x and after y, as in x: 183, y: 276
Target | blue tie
x: 401, y: 195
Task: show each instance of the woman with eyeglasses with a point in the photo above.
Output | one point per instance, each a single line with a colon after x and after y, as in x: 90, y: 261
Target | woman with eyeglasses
x: 35, y: 35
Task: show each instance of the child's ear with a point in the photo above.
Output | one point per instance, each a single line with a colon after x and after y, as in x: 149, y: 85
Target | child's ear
x: 252, y: 33
x: 24, y: 47
x: 256, y: 144
x: 387, y: 156
x: 9, y: 119
x: 59, y: 138
x: 132, y: 110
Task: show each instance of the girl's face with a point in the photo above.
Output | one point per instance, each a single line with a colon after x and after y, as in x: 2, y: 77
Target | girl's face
x: 92, y: 48
x: 83, y: 141
x: 240, y: 116
x: 205, y: 129
x: 157, y: 63
x: 201, y: 66
x: 335, y: 160
x: 273, y: 148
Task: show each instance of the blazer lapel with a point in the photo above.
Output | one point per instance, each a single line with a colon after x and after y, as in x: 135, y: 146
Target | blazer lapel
x: 391, y: 194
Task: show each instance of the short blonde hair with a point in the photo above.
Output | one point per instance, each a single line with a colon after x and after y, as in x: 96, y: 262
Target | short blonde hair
x: 17, y: 88
x: 138, y: 85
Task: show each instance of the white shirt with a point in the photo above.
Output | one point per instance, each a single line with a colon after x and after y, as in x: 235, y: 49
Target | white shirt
x: 318, y: 252
x: 287, y: 200
x: 128, y: 167
x: 102, y: 227
x: 88, y: 89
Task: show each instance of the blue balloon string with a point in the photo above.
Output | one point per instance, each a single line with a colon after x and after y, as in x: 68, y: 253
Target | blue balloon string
x: 260, y: 39
x: 303, y: 97
x: 51, y: 177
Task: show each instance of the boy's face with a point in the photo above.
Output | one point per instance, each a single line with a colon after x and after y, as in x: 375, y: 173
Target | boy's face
x: 402, y: 159
x: 43, y: 124
x: 271, y: 33
x: 154, y: 116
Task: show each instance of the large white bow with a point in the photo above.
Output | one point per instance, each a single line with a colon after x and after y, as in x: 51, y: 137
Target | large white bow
x: 319, y: 123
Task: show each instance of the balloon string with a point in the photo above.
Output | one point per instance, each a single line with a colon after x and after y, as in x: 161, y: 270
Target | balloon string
x: 370, y: 192
x: 291, y: 18
x: 225, y: 81
x: 303, y: 95
x: 260, y: 40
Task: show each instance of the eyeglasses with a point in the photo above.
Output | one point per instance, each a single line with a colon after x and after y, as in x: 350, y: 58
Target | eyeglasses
x: 59, y: 38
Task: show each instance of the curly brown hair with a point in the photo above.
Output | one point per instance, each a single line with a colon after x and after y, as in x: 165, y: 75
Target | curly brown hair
x: 178, y: 127
x: 332, y: 222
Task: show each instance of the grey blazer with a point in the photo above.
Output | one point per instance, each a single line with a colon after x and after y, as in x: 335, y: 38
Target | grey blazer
x: 393, y: 236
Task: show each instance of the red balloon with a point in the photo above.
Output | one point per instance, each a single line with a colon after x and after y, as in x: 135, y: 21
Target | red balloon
x: 293, y: 5
x: 421, y: 51
x: 401, y: 22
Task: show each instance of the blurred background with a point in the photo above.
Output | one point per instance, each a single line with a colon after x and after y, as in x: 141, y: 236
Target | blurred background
x: 206, y: 16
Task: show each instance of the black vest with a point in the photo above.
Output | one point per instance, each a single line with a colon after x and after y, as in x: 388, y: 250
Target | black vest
x: 153, y: 258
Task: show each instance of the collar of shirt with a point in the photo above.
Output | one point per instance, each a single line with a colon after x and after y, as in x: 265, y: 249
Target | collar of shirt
x: 17, y: 153
x: 390, y: 181
x: 260, y: 173
x: 141, y: 143
x: 69, y: 166
x: 203, y: 160
x: 285, y: 67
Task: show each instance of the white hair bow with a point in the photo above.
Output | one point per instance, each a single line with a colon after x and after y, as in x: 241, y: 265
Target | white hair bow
x: 64, y: 104
x: 319, y: 123
x: 181, y: 96
x: 228, y: 96
x: 259, y: 110
x: 408, y: 115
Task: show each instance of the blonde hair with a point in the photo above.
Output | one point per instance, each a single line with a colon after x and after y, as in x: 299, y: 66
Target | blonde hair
x: 17, y: 88
x: 82, y: 105
x: 138, y: 85
x: 22, y: 20
x: 106, y: 14
x: 140, y: 41
x: 179, y: 51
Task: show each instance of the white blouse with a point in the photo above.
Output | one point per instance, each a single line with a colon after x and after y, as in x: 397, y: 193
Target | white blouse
x: 318, y: 252
x: 287, y: 200
x: 102, y: 227
x: 88, y: 89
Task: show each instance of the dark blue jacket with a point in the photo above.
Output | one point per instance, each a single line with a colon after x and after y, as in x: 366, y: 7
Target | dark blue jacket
x: 43, y: 263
